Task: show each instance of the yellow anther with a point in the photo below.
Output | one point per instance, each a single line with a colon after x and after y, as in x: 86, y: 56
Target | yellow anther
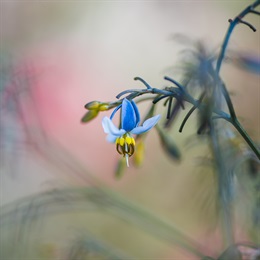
x: 128, y: 140
x: 122, y: 141
x: 125, y: 145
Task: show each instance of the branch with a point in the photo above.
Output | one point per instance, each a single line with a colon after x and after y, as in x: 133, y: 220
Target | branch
x: 232, y: 25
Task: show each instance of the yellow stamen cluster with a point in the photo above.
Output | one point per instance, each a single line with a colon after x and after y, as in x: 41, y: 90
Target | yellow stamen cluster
x: 125, y: 145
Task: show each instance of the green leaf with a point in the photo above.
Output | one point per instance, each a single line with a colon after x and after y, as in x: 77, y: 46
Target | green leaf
x: 168, y: 144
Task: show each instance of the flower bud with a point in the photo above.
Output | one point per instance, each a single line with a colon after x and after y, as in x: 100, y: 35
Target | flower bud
x: 103, y: 107
x: 91, y: 114
x: 93, y: 105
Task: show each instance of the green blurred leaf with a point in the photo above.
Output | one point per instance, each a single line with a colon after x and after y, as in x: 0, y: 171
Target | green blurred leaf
x: 168, y: 144
x: 120, y: 168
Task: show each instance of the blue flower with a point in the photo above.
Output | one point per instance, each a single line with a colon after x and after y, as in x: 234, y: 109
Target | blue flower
x: 130, y: 119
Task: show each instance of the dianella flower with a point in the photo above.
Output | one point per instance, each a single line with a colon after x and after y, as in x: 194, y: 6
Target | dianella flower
x: 129, y: 125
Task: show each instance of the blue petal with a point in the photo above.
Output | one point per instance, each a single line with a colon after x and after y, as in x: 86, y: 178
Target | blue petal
x: 110, y: 128
x: 128, y: 116
x: 137, y: 114
x: 147, y: 125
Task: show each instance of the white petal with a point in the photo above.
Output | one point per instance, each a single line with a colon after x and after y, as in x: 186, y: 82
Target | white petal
x: 111, y: 138
x: 110, y: 128
x: 147, y: 125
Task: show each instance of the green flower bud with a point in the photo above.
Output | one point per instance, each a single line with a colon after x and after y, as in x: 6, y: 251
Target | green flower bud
x: 91, y: 114
x: 93, y: 105
x: 103, y: 107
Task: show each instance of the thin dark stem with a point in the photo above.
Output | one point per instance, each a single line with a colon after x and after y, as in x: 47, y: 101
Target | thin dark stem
x: 169, y: 108
x: 254, y: 12
x: 143, y: 81
x: 175, y: 83
x: 232, y: 25
x: 249, y: 25
x: 139, y: 92
x: 246, y: 137
x: 190, y: 112
x: 159, y: 98
x: 229, y: 102
x: 234, y: 120
x: 186, y: 118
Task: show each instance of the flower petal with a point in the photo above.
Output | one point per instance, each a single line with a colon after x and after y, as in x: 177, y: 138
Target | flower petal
x: 147, y: 125
x: 128, y: 116
x: 110, y: 128
x: 137, y: 114
x: 111, y: 138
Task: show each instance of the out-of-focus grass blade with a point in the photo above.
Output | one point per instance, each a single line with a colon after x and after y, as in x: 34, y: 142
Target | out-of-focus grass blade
x: 88, y: 199
x: 89, y: 246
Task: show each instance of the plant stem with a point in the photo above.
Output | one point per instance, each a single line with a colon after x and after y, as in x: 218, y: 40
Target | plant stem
x: 235, y: 122
x: 232, y: 25
x: 246, y: 137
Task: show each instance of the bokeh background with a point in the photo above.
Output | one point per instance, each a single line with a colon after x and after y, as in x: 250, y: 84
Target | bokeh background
x: 58, y: 55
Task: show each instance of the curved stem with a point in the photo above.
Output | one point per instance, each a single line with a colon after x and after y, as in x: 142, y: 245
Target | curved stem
x: 175, y: 83
x: 246, y: 137
x: 232, y: 25
x: 186, y: 118
x: 229, y: 102
x: 190, y: 112
x: 143, y: 81
x: 234, y: 121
